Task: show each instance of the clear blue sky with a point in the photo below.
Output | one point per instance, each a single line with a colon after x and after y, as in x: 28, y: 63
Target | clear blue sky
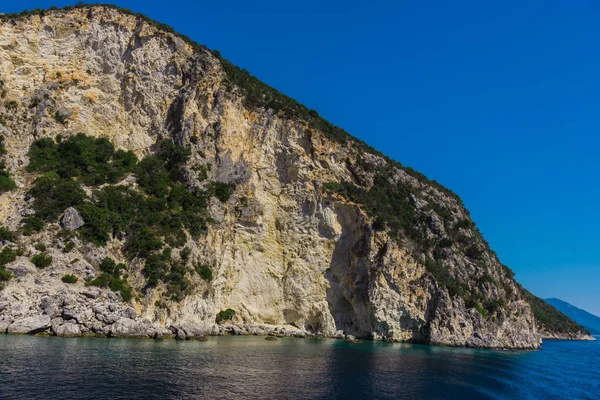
x: 499, y: 101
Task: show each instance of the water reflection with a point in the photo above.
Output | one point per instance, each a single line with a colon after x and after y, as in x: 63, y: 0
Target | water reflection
x: 250, y: 367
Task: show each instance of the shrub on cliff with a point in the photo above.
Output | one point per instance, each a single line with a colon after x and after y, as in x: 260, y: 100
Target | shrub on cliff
x: 52, y: 195
x: 389, y: 204
x: 93, y: 160
x: 163, y: 211
x: 41, y: 260
x: 162, y: 267
x: 204, y: 271
x: 6, y: 255
x: 98, y: 223
x: 221, y: 191
x: 32, y: 225
x: 6, y: 234
x: 69, y: 278
x: 111, y: 278
x: 6, y: 182
x: 5, y: 276
x: 225, y: 315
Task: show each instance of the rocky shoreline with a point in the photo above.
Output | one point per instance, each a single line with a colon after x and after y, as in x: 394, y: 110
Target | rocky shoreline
x: 579, y: 336
x: 126, y: 328
x: 93, y: 312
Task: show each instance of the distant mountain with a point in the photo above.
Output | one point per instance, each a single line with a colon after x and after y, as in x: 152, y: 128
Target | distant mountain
x: 582, y: 317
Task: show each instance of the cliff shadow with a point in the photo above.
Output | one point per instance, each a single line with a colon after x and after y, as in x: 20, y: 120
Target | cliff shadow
x: 348, y: 276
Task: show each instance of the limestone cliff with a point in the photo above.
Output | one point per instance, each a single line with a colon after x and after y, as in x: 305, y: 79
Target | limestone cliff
x: 296, y: 246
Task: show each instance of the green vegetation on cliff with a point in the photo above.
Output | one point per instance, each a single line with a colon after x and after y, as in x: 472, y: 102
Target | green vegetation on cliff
x: 111, y: 278
x: 166, y: 211
x: 225, y: 315
x: 6, y: 182
x: 257, y: 94
x: 159, y: 215
x: 6, y: 255
x: 549, y: 318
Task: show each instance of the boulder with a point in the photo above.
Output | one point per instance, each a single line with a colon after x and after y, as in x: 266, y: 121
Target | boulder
x: 68, y: 313
x: 21, y: 269
x: 71, y: 220
x: 93, y: 293
x: 192, y: 332
x: 68, y: 329
x: 163, y: 333
x: 128, y: 328
x: 34, y: 324
x: 52, y: 310
x: 55, y: 323
x: 181, y: 334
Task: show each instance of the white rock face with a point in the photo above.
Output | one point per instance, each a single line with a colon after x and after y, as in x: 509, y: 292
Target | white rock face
x: 31, y: 324
x: 68, y: 329
x: 287, y: 258
x: 71, y: 220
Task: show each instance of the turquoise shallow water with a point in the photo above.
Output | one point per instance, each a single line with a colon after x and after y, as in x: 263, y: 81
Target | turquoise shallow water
x: 250, y: 368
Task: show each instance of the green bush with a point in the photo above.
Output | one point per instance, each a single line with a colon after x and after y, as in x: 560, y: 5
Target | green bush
x: 204, y: 271
x: 225, y: 315
x: 202, y: 171
x: 68, y: 247
x: 184, y: 255
x: 221, y: 191
x: 6, y: 183
x: 93, y: 160
x: 5, y: 276
x: 41, y: 260
x: 153, y: 177
x: 40, y: 247
x: 474, y: 252
x: 7, y: 255
x: 111, y: 278
x: 177, y: 284
x: 6, y: 234
x: 157, y: 266
x: 43, y: 156
x: 98, y: 223
x: 32, y: 225
x: 143, y: 242
x: 52, y: 195
x: 121, y: 286
x: 161, y: 267
x: 445, y: 279
x: 109, y: 266
x: 102, y: 280
x: 481, y: 311
x: 69, y: 278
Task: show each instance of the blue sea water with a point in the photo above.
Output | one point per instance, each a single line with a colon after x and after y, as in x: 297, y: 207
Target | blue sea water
x: 253, y: 368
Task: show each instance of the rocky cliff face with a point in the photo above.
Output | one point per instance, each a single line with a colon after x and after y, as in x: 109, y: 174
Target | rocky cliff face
x: 295, y: 248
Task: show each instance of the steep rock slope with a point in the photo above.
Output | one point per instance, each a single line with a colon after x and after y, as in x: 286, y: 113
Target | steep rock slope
x: 320, y: 234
